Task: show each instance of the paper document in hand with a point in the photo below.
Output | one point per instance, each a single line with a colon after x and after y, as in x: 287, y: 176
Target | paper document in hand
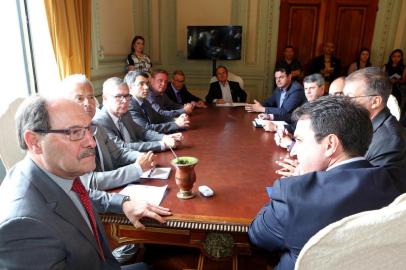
x: 280, y: 124
x: 234, y: 104
x: 157, y: 173
x: 150, y: 194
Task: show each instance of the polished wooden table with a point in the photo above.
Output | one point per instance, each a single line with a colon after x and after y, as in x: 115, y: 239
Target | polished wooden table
x: 237, y: 161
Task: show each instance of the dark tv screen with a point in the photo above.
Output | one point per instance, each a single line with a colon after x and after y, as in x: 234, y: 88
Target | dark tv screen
x: 214, y: 42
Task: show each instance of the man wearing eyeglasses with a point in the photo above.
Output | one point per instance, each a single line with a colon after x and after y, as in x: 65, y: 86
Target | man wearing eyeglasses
x: 115, y: 166
x: 115, y: 118
x: 178, y: 92
x: 47, y: 219
x: 371, y: 88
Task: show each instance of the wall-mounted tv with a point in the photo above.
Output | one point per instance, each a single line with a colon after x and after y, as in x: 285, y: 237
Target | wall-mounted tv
x: 214, y: 42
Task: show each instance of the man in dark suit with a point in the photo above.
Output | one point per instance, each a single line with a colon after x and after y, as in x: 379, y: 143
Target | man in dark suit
x: 370, y: 87
x: 336, y: 179
x: 47, y: 220
x: 160, y: 102
x: 225, y: 91
x: 115, y: 166
x: 287, y: 96
x: 142, y: 112
x: 115, y: 118
x: 178, y: 92
x: 327, y: 64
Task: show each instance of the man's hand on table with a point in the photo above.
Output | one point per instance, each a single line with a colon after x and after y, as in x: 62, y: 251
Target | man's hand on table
x: 135, y: 210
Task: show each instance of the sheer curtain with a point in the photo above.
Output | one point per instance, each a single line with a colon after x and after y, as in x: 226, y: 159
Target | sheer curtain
x: 69, y: 25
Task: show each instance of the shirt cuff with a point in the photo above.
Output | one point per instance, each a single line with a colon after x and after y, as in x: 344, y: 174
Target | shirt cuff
x: 163, y: 146
x: 138, y: 168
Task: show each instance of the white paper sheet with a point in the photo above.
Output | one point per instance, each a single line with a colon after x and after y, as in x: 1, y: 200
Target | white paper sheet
x: 157, y: 173
x: 150, y: 194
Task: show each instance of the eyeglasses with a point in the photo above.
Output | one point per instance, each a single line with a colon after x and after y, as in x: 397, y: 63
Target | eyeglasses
x: 120, y: 98
x: 179, y: 81
x: 74, y: 133
x: 364, y: 96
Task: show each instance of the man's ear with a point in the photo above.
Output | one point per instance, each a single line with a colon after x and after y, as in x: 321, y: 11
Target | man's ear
x: 33, y: 140
x: 332, y: 144
x: 376, y: 102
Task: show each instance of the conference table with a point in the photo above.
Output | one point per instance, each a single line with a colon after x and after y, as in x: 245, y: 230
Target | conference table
x: 237, y: 161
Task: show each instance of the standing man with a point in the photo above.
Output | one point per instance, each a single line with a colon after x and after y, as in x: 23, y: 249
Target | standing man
x: 142, y: 112
x: 115, y: 118
x: 47, y: 220
x: 291, y: 62
x: 336, y: 179
x: 161, y: 103
x: 287, y: 96
x: 327, y: 64
x: 370, y: 87
x: 115, y: 166
x: 225, y: 91
x: 178, y: 92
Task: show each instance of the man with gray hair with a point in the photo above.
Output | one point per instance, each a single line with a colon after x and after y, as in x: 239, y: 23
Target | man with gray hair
x: 370, y: 87
x: 115, y: 118
x: 48, y: 219
x: 115, y: 166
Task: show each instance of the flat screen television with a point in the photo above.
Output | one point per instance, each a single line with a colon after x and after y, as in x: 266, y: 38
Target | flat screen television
x: 214, y: 42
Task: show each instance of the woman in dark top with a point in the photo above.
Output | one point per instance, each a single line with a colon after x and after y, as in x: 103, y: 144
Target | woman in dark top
x: 395, y: 68
x: 363, y: 60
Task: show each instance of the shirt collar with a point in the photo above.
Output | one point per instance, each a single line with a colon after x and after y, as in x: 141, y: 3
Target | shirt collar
x: 345, y: 162
x: 174, y: 89
x: 63, y: 183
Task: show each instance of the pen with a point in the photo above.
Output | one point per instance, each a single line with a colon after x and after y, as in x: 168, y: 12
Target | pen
x: 151, y: 171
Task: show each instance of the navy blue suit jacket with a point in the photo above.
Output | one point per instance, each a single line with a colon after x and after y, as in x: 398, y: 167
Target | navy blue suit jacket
x: 294, y: 98
x: 185, y: 95
x: 303, y: 205
x: 237, y: 93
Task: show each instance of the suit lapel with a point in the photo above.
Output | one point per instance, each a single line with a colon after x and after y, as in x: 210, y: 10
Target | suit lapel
x: 59, y: 201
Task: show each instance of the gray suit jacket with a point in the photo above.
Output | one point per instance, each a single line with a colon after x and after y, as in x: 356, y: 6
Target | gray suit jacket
x: 41, y: 228
x: 142, y: 140
x: 119, y: 166
x: 159, y: 123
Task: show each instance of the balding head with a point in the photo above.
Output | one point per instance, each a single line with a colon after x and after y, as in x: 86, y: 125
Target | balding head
x: 336, y: 87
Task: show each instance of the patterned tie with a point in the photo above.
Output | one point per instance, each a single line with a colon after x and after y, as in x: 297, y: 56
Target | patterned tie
x: 121, y: 129
x: 145, y: 112
x: 87, y: 204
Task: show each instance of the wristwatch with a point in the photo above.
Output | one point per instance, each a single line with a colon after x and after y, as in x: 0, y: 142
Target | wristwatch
x: 125, y: 199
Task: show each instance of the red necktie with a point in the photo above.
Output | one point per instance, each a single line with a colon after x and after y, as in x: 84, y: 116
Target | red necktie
x: 87, y: 204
